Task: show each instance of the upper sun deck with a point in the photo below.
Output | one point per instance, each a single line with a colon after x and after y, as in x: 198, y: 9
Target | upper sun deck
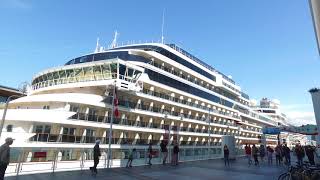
x: 170, y: 51
x: 153, y: 47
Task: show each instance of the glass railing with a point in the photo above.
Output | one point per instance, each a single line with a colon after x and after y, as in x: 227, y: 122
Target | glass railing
x: 191, y: 104
x: 144, y: 124
x: 67, y: 80
x: 39, y: 160
x: 195, y: 81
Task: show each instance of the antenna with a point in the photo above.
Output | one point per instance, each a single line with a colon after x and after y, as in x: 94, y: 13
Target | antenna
x: 97, y: 46
x: 114, y: 42
x: 162, y: 38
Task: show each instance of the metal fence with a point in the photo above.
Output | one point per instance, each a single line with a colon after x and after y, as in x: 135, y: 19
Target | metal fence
x: 41, y: 160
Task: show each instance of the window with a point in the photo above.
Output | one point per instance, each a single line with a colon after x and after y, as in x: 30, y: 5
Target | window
x: 184, y: 87
x: 41, y: 129
x: 69, y: 131
x: 74, y: 108
x: 9, y: 128
x: 90, y: 132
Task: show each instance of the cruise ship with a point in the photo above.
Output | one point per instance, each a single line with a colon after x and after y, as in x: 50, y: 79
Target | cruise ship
x: 272, y: 109
x: 163, y: 93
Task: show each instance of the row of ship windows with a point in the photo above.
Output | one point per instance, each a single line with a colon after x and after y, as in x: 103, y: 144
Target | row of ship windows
x: 184, y: 52
x: 173, y: 57
x: 42, y: 134
x: 126, y: 120
x: 105, y: 69
x: 155, y: 76
x: 184, y: 62
x: 83, y: 74
x: 200, y: 83
x: 190, y: 103
x: 124, y: 55
x: 186, y: 88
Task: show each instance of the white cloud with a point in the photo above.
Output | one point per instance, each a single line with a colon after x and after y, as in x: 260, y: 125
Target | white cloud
x: 299, y: 114
x: 296, y: 106
x: 301, y: 117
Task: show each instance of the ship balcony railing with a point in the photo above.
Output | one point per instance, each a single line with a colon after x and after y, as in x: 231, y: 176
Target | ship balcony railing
x: 167, y: 97
x: 95, y: 118
x: 44, y: 137
x: 125, y: 122
x: 81, y: 78
x: 70, y: 138
x: 195, y: 81
x: 174, y: 128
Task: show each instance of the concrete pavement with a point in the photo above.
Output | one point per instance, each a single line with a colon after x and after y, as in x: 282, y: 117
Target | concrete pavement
x: 208, y: 169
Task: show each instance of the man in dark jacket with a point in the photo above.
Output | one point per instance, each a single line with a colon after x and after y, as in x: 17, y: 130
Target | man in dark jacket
x: 96, y: 156
x: 300, y: 154
x: 5, y: 156
x: 287, y: 155
x: 164, y: 150
x: 310, y: 154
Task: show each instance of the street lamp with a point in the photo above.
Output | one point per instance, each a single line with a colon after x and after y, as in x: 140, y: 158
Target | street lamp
x: 5, y: 111
x: 110, y: 130
x: 209, y: 129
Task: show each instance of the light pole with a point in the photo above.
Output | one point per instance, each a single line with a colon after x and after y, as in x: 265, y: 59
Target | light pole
x: 110, y: 130
x: 5, y: 111
x: 209, y: 129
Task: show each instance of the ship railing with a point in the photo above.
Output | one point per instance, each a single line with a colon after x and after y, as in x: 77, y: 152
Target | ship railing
x: 177, y: 100
x: 39, y: 160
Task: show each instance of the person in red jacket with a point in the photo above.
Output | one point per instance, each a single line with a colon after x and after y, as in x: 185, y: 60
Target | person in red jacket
x: 247, y: 149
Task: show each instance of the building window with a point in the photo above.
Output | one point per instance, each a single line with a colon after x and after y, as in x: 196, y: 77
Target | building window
x: 9, y: 128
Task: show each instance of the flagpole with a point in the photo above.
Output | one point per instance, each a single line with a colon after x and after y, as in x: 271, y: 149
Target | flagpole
x: 110, y: 130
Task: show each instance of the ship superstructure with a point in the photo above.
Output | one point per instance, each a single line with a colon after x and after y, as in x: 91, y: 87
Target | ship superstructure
x: 163, y: 92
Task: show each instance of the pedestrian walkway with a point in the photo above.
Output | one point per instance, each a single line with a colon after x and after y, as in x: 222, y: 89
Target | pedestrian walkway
x: 209, y: 169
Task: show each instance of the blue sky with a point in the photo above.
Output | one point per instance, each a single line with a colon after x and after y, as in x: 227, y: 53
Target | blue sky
x: 268, y: 47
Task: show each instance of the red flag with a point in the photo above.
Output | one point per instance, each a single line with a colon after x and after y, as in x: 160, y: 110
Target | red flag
x: 115, y: 104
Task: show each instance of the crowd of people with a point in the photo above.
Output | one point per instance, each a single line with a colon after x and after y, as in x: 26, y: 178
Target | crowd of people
x: 282, y: 154
x: 133, y: 154
x: 151, y: 153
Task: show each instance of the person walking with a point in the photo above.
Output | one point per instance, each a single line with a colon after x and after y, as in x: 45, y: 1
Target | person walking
x: 5, y: 156
x: 130, y: 158
x: 262, y: 152
x: 278, y: 155
x: 299, y: 153
x: 270, y: 155
x: 247, y: 149
x: 255, y: 155
x: 150, y: 153
x: 310, y: 154
x: 96, y: 156
x: 226, y: 155
x: 175, y: 154
x: 287, y: 154
x: 164, y: 150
